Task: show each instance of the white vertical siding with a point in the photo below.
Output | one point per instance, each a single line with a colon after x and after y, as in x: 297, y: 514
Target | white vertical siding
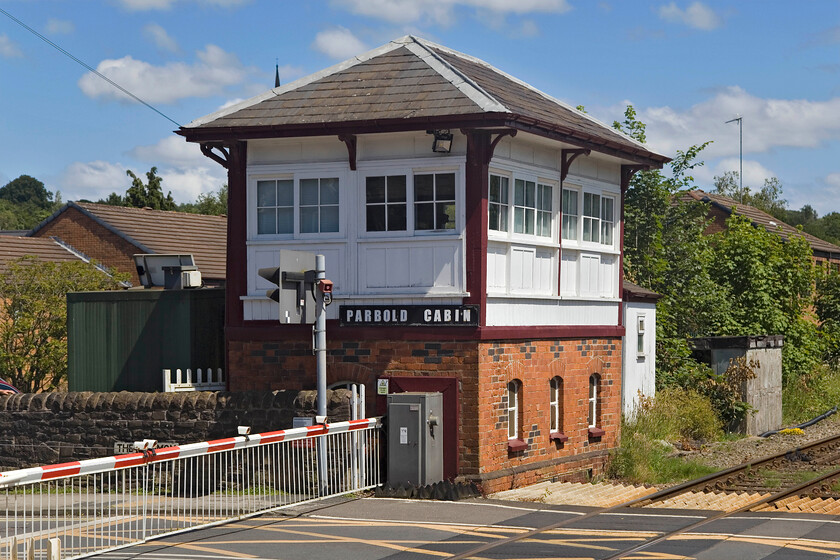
x: 523, y: 312
x: 639, y: 371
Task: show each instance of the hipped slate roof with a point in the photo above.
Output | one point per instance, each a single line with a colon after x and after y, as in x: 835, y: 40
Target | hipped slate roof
x: 412, y: 84
x: 45, y: 249
x: 163, y: 232
x: 763, y: 219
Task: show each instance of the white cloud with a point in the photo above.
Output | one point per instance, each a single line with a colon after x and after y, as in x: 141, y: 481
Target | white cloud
x: 213, y: 72
x: 442, y: 12
x: 338, y: 43
x: 158, y: 35
x: 767, y: 123
x: 92, y: 180
x: 60, y: 27
x: 697, y: 15
x: 833, y: 180
x: 148, y: 5
x: 754, y: 172
x: 9, y: 49
x: 171, y: 151
x: 187, y: 183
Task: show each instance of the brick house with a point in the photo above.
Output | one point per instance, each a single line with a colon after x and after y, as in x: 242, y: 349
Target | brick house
x: 472, y: 226
x: 721, y: 207
x: 112, y: 234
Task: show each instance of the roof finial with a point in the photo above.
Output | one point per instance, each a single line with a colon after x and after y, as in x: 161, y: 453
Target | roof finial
x: 277, y: 73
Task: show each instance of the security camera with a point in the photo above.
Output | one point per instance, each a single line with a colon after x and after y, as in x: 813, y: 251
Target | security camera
x: 244, y: 430
x: 320, y: 419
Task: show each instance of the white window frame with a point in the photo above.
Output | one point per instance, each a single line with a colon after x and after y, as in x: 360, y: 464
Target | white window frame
x: 296, y: 174
x: 555, y: 404
x: 592, y: 411
x: 406, y: 203
x: 409, y: 168
x: 568, y: 217
x: 503, y: 204
x: 552, y: 212
x: 514, y: 390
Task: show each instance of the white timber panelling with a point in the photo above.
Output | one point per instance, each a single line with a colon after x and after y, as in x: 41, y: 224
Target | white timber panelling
x: 410, y: 265
x: 569, y: 271
x: 522, y: 269
x: 639, y: 370
x: 497, y: 259
x: 503, y: 311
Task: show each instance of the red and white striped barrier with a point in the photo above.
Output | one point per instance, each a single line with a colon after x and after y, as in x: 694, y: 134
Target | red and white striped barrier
x: 104, y: 464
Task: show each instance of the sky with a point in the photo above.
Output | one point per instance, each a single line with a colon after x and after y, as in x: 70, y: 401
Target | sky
x: 687, y: 67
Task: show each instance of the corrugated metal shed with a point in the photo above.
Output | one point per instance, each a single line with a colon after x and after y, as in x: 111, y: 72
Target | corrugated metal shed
x: 121, y: 341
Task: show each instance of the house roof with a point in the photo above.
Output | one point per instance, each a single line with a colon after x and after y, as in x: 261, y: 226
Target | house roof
x: 763, y: 219
x: 163, y: 232
x: 413, y: 84
x: 44, y: 248
x: 634, y: 292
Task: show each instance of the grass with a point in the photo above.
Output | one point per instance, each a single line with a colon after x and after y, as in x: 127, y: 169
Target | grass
x: 811, y: 395
x: 645, y: 456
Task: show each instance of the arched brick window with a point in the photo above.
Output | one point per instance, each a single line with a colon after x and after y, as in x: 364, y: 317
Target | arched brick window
x: 555, y: 404
x: 594, y: 405
x: 514, y: 408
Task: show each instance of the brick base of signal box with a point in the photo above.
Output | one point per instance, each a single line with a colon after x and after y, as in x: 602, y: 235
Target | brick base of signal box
x: 483, y: 370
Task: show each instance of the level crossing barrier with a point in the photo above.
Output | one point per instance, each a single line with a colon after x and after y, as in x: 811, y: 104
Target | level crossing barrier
x: 81, y: 508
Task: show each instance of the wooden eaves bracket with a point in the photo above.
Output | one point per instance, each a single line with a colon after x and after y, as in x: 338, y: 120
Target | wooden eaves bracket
x: 223, y: 160
x: 568, y: 156
x: 350, y: 141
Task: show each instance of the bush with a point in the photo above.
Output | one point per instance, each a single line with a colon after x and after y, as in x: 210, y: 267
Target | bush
x: 810, y: 395
x: 644, y: 455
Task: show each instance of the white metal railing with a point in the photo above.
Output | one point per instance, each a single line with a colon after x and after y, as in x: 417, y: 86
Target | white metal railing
x: 88, y: 507
x: 189, y: 380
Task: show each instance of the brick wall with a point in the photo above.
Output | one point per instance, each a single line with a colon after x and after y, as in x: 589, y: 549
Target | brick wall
x: 95, y: 241
x: 483, y: 369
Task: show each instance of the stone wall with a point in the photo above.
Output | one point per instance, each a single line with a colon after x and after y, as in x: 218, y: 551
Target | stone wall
x: 46, y: 428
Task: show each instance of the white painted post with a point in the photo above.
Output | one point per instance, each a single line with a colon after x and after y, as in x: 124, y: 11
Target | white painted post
x: 54, y: 549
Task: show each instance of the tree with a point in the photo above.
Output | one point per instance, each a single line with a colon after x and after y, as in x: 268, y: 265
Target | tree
x: 27, y: 190
x: 33, y: 319
x: 213, y: 203
x: 140, y: 195
x: 768, y: 198
x: 113, y: 199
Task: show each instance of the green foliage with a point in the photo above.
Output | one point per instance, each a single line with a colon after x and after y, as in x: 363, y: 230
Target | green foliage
x: 644, y: 455
x: 33, y: 319
x: 113, y: 200
x: 768, y: 198
x: 25, y: 202
x: 811, y: 394
x: 213, y: 204
x: 150, y: 194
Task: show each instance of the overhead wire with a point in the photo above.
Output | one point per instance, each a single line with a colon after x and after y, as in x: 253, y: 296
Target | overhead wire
x: 88, y: 67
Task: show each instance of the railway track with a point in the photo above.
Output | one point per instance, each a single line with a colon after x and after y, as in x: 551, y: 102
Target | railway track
x: 782, y: 472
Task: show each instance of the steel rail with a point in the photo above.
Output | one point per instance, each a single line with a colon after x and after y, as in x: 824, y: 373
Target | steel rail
x: 659, y: 496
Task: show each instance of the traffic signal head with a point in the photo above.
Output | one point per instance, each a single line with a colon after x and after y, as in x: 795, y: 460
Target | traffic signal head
x: 273, y: 275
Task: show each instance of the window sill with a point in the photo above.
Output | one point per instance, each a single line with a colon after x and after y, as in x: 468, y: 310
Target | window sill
x: 558, y: 436
x: 596, y: 432
x: 516, y: 445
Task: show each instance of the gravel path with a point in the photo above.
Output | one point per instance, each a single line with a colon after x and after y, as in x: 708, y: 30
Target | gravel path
x: 730, y: 453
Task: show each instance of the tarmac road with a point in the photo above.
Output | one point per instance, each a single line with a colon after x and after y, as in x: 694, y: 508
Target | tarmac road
x: 375, y: 528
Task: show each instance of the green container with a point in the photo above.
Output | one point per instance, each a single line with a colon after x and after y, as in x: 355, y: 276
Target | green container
x: 123, y: 340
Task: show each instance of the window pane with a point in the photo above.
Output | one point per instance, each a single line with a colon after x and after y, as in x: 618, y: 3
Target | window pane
x: 518, y: 220
x: 396, y: 217
x: 553, y: 415
x: 375, y: 190
x: 376, y: 218
x: 285, y: 193
x: 285, y: 220
x: 445, y: 186
x: 329, y: 219
x: 329, y: 190
x: 309, y: 219
x: 396, y: 188
x: 606, y: 233
x: 424, y: 217
x: 423, y: 188
x: 570, y: 227
x: 570, y: 202
x: 308, y: 192
x: 445, y: 215
x: 511, y: 423
x: 544, y: 198
x: 495, y: 188
x: 519, y: 192
x: 607, y: 209
x: 530, y: 194
x: 529, y: 221
x: 266, y: 194
x: 494, y: 217
x: 266, y: 220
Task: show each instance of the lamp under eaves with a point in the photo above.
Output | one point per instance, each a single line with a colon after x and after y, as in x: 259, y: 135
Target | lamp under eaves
x: 443, y: 141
